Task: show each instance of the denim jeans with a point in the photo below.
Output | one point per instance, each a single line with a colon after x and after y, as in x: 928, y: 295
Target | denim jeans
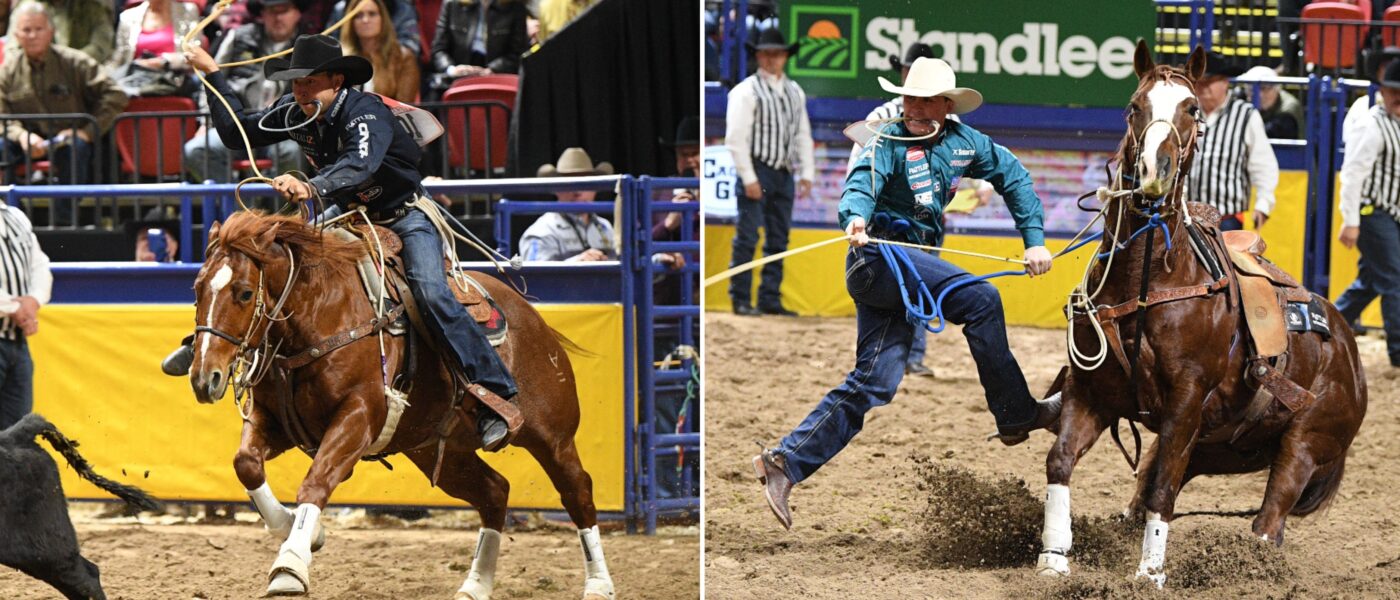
x: 917, y: 347
x: 444, y: 316
x: 882, y: 347
x: 774, y: 214
x: 1378, y: 274
x: 16, y: 381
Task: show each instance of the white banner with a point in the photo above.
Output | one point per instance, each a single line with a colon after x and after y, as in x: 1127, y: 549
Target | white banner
x: 719, y: 183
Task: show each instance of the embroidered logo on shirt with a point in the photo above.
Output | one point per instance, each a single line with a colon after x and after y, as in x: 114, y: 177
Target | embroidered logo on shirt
x: 924, y: 197
x: 918, y: 168
x: 920, y: 184
x: 962, y: 162
x: 964, y: 152
x: 914, y: 154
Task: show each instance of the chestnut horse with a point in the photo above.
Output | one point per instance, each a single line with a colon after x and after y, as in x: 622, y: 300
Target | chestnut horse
x: 277, y: 285
x: 1188, y: 382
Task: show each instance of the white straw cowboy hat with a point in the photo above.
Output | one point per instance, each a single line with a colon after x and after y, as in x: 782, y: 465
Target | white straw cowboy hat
x: 931, y: 77
x: 574, y: 162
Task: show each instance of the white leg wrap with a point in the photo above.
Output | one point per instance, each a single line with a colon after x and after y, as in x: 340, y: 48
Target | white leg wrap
x: 291, y: 572
x: 482, y: 578
x: 1056, y: 536
x: 308, y: 520
x: 1154, y: 550
x: 276, y: 517
x: 598, y: 583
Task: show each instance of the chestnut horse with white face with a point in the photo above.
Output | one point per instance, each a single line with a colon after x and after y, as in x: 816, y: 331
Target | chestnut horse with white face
x: 1169, y: 307
x: 275, y: 288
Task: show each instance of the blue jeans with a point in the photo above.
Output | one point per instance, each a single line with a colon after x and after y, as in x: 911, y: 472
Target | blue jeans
x: 883, y: 335
x: 444, y: 316
x: 16, y: 381
x: 1378, y: 274
x: 917, y: 347
x: 774, y: 214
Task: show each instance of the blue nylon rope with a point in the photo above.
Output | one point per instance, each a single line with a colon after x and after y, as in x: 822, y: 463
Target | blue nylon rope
x: 920, y: 305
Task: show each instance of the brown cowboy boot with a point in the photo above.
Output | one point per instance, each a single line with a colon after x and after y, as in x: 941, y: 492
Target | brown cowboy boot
x: 776, y: 485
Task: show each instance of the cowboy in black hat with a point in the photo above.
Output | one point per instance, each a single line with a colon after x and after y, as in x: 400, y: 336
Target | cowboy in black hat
x: 1234, y: 153
x: 364, y: 156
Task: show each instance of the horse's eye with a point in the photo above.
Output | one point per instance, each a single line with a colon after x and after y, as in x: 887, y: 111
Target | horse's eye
x: 245, y: 296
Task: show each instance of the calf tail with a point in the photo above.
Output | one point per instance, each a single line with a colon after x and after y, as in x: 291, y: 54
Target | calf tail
x: 36, y: 425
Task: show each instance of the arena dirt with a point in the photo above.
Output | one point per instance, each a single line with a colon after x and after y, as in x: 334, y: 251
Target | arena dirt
x: 921, y: 506
x: 365, y: 558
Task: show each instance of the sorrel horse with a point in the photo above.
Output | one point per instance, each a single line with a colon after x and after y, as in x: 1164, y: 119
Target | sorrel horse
x: 276, y: 285
x: 1188, y: 381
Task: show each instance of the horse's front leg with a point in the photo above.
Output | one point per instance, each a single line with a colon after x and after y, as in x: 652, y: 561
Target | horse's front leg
x: 1177, y: 438
x: 344, y: 442
x: 1080, y: 427
x: 260, y: 444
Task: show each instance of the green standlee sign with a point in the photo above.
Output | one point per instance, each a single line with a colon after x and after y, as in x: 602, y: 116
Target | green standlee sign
x: 1072, y: 52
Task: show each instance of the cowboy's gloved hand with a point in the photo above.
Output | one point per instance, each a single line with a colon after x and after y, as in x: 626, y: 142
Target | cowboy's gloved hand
x: 856, y: 231
x: 292, y: 188
x: 199, y: 59
x: 1037, y: 260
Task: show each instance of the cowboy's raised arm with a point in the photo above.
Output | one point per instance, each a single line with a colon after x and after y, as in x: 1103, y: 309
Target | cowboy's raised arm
x: 222, y: 120
x: 365, y: 138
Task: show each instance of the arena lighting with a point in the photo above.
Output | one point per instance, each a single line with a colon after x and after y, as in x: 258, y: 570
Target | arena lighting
x: 1037, y: 50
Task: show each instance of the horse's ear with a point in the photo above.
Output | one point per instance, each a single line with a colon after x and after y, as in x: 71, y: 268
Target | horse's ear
x: 269, y: 236
x: 1142, y: 59
x: 1196, y: 64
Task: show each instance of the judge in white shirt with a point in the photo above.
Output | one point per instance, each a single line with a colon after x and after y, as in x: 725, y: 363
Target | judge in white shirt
x: 1234, y: 155
x: 25, y: 286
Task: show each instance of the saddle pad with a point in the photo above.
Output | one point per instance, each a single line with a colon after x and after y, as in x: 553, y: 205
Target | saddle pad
x: 1308, y: 316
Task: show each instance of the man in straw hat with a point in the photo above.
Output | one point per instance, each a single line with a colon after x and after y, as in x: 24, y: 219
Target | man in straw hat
x: 767, y: 131
x: 364, y: 157
x: 570, y: 237
x: 897, y: 191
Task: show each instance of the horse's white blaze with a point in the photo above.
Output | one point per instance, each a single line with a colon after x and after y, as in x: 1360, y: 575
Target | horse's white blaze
x: 1164, y: 98
x: 1154, y: 550
x: 1056, y: 536
x: 220, y: 279
x: 482, y: 578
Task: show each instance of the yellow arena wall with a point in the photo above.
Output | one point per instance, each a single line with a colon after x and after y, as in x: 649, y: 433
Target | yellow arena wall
x: 814, y: 282
x: 97, y: 377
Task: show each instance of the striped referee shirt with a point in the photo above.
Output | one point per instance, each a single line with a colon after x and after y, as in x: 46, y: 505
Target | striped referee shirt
x: 766, y: 121
x: 1234, y: 154
x: 1371, y: 167
x: 24, y: 268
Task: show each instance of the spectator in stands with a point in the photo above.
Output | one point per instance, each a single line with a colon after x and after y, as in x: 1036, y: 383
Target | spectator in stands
x: 686, y: 145
x: 767, y: 131
x: 276, y: 24
x: 83, y: 25
x: 1282, y: 112
x: 43, y: 77
x: 1234, y: 153
x: 154, y: 238
x: 147, y: 36
x: 1370, y: 211
x: 572, y: 237
x: 395, y: 64
x: 404, y: 17
x: 556, y: 14
x: 478, y: 37
x: 25, y: 288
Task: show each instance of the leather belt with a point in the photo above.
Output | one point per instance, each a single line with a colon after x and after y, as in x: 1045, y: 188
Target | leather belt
x: 384, y: 216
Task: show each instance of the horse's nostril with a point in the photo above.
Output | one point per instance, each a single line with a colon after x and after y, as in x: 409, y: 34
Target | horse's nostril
x: 216, y: 379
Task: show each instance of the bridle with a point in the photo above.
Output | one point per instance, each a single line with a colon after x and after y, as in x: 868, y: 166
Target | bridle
x: 252, y: 360
x: 1142, y: 205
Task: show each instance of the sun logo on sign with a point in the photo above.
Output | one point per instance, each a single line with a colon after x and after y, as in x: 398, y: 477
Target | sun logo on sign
x: 827, y: 44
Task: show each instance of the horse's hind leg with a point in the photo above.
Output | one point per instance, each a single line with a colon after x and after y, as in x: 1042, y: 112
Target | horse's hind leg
x: 466, y: 477
x: 1079, y: 429
x: 1292, y: 469
x: 575, y: 487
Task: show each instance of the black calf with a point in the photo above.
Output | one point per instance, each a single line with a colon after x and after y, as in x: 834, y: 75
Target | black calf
x: 36, y: 535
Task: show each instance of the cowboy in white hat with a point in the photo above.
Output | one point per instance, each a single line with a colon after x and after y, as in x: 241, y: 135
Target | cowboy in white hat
x: 570, y: 237
x: 897, y: 191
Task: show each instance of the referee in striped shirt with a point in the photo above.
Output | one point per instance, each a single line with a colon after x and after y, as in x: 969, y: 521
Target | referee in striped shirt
x: 766, y: 131
x: 1370, y: 210
x: 25, y: 285
x: 1234, y: 154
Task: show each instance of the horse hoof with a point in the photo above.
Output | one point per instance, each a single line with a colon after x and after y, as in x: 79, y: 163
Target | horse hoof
x: 285, y: 584
x: 1051, y: 564
x: 473, y: 589
x: 598, y: 589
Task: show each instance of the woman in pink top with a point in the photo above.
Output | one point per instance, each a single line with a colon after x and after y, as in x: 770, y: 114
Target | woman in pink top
x: 148, y: 34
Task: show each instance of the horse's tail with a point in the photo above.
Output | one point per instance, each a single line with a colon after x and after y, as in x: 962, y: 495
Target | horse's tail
x: 1320, y: 491
x: 34, y: 424
x: 570, y: 345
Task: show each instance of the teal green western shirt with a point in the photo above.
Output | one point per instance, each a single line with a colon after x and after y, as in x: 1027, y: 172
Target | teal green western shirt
x: 880, y: 182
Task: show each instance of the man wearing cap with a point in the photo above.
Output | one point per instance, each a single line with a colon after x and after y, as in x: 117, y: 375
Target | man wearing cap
x: 276, y: 24
x: 1370, y: 210
x: 366, y: 156
x: 767, y: 131
x: 898, y: 191
x: 1234, y: 154
x: 572, y: 237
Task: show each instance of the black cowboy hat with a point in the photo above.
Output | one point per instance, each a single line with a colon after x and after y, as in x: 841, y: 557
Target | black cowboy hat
x: 687, y: 133
x: 1380, y: 59
x: 772, y: 39
x: 1219, y: 65
x: 317, y: 54
x: 1391, y: 79
x: 255, y: 7
x: 914, y: 52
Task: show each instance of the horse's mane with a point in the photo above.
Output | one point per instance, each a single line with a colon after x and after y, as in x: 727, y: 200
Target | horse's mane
x: 256, y: 234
